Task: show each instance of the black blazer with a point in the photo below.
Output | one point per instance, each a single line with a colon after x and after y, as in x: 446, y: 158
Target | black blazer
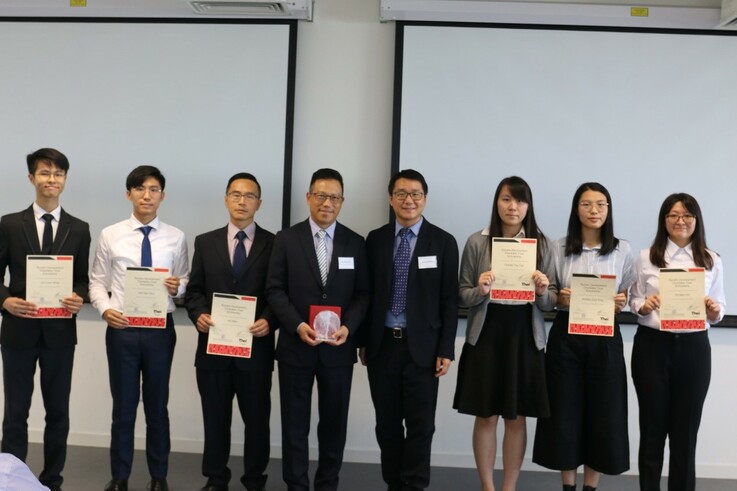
x: 294, y: 284
x: 18, y: 239
x: 212, y: 272
x: 432, y: 293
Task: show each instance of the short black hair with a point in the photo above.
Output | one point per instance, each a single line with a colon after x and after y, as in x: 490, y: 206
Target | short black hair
x: 326, y: 174
x: 49, y: 155
x: 141, y: 173
x: 243, y: 175
x: 410, y: 174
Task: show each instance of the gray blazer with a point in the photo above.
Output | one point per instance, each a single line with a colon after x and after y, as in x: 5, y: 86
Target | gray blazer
x: 475, y: 260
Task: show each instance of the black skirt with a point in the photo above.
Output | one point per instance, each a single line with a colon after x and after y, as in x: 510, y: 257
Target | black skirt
x: 504, y: 373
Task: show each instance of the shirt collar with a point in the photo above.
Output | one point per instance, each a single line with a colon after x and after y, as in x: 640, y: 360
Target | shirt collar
x: 414, y: 228
x: 521, y: 235
x: 672, y: 249
x: 135, y: 224
x: 38, y: 212
x: 315, y: 228
x: 250, y: 230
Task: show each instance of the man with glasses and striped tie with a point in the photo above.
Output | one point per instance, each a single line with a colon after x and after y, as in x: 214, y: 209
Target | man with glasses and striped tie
x: 139, y: 354
x: 317, y: 268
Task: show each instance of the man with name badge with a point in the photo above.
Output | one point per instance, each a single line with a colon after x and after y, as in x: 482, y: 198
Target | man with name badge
x: 234, y: 260
x: 409, y: 339
x: 26, y: 337
x: 317, y: 269
x: 139, y: 358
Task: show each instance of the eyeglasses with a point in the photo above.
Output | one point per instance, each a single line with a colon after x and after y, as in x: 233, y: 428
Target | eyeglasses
x: 47, y: 174
x: 153, y: 191
x: 687, y: 218
x: 235, y: 196
x: 587, y: 205
x: 402, y: 195
x: 321, y: 198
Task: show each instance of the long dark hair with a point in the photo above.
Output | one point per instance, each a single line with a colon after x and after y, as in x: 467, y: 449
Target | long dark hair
x: 574, y: 241
x: 520, y: 190
x: 701, y: 256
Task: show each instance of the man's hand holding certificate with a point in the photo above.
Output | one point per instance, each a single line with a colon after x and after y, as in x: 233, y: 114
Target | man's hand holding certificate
x: 232, y: 317
x: 513, y: 262
x: 592, y: 307
x: 682, y: 299
x: 146, y: 297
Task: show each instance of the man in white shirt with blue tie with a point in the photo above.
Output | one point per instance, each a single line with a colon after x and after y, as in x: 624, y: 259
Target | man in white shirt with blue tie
x: 138, y: 354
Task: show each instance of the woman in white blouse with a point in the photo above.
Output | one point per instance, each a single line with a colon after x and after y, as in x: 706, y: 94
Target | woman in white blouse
x: 502, y: 366
x: 672, y: 370
x: 586, y: 374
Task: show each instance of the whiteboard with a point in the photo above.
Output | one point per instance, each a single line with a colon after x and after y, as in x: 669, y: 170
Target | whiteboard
x: 201, y: 101
x: 644, y: 113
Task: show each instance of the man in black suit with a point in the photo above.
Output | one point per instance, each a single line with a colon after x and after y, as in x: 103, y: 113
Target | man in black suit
x: 316, y: 263
x: 409, y: 337
x: 44, y: 228
x: 234, y: 259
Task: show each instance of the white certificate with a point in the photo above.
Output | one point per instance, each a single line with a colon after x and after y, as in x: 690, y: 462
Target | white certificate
x: 49, y: 280
x: 146, y: 298
x: 682, y: 299
x: 513, y: 262
x: 232, y: 316
x: 592, y: 304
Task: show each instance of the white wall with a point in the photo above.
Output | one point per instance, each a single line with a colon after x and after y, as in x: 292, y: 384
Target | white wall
x: 343, y: 120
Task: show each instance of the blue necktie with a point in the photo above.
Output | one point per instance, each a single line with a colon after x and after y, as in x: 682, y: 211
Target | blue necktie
x: 401, y: 273
x: 146, y: 261
x: 239, y: 255
x: 48, y: 237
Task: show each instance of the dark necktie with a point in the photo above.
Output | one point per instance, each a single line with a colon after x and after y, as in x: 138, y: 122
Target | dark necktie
x: 48, y: 237
x: 239, y: 255
x: 146, y: 247
x: 401, y: 273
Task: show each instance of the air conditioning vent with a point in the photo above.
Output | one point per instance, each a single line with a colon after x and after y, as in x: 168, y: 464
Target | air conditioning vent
x: 240, y: 8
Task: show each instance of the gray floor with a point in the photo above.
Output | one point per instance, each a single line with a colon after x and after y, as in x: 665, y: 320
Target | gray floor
x: 87, y: 469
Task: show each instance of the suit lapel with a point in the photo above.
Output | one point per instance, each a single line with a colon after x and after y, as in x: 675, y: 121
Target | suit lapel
x: 386, y: 260
x: 220, y: 247
x: 30, y: 231
x: 257, y: 247
x: 422, y: 248
x: 62, y: 232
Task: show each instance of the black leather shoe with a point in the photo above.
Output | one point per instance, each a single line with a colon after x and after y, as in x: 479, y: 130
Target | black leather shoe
x: 117, y: 485
x: 158, y: 485
x: 54, y: 487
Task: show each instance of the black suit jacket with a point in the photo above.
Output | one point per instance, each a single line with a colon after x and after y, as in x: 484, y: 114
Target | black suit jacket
x: 212, y: 272
x: 432, y: 293
x: 18, y: 239
x: 294, y: 284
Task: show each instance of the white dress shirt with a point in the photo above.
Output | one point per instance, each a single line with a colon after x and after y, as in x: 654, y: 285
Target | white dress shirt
x: 329, y: 237
x: 648, y: 281
x: 119, y: 247
x: 618, y: 262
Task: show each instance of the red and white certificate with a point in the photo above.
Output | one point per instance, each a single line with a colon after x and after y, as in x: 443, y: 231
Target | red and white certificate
x: 49, y: 280
x: 146, y: 299
x: 592, y: 304
x: 513, y: 262
x: 232, y: 316
x: 682, y: 299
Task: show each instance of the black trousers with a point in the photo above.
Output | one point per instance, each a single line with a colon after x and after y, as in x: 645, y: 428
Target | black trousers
x: 19, y: 367
x: 253, y: 391
x: 139, y: 360
x: 671, y: 373
x: 405, y: 396
x: 333, y: 397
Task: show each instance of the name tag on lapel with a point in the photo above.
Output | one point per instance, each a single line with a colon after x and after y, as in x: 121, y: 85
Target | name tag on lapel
x: 345, y: 263
x: 427, y: 262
